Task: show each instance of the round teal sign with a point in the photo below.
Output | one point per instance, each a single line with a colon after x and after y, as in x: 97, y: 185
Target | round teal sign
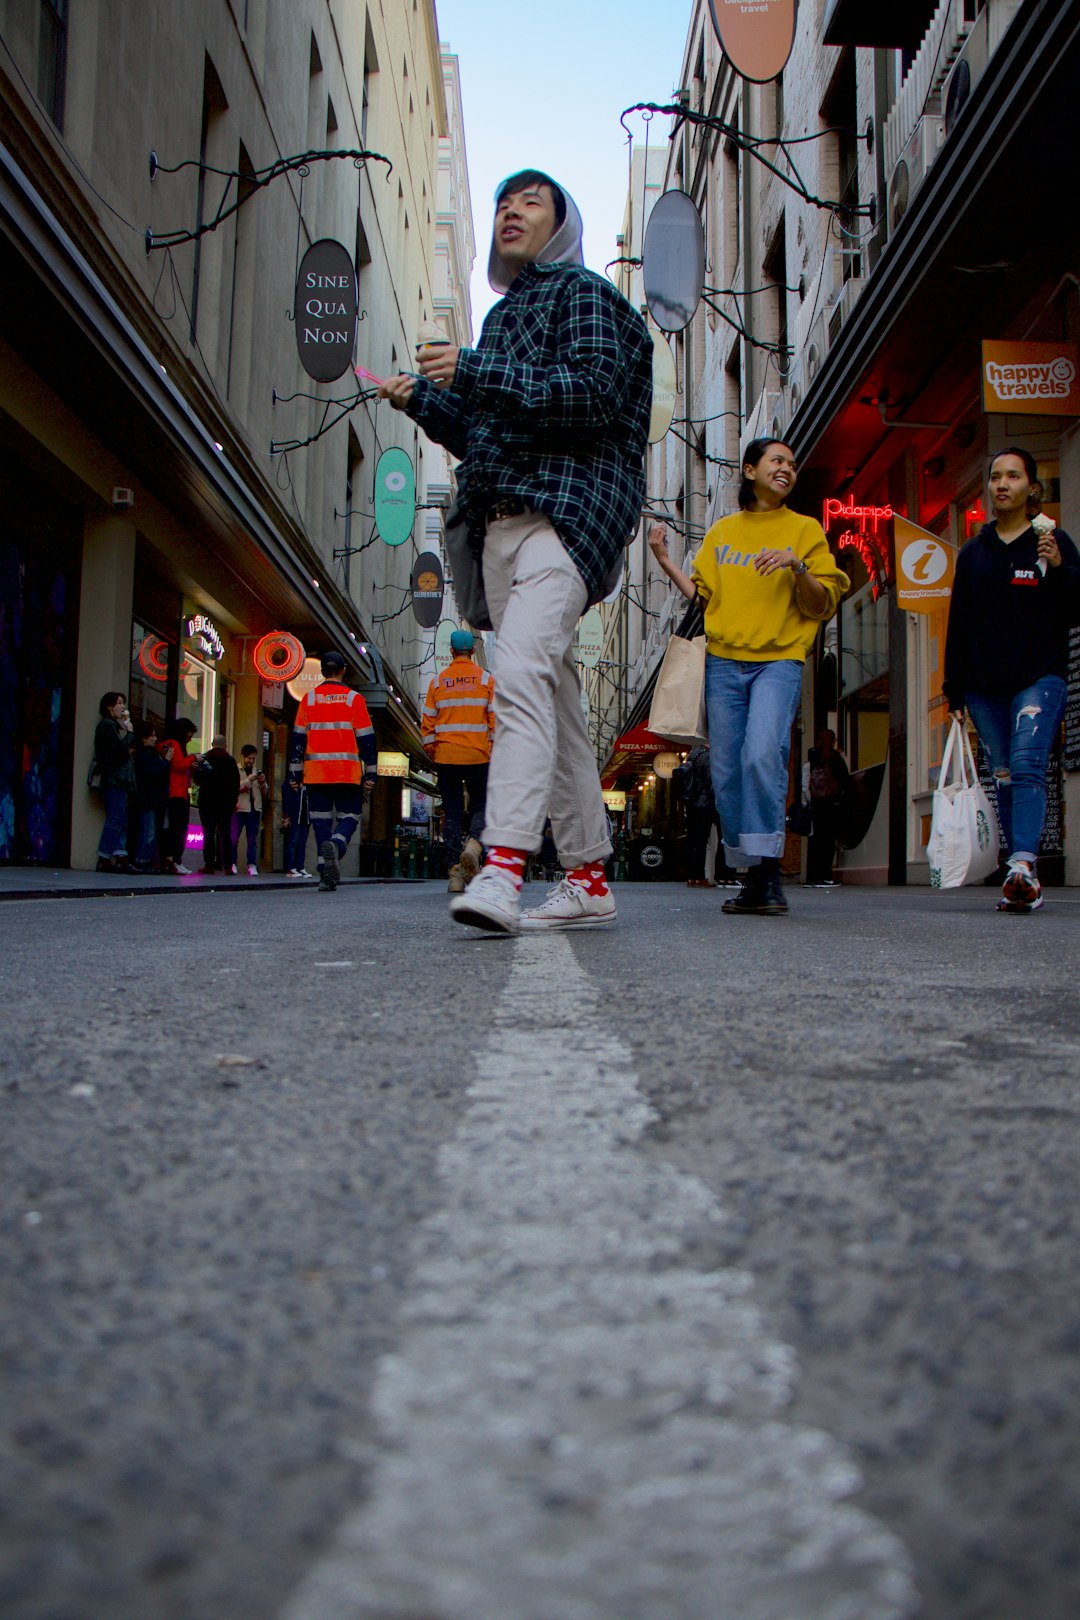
x: 395, y: 496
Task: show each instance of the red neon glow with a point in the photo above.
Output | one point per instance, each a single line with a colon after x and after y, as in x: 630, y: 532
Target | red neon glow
x: 279, y: 656
x: 975, y: 517
x: 874, y: 556
x: 154, y: 657
x: 835, y: 508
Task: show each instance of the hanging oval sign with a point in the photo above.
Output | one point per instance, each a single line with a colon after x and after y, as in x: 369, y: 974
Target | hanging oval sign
x: 673, y: 261
x: 325, y: 310
x: 663, y: 388
x: 589, y: 641
x: 756, y: 39
x: 308, y: 677
x: 395, y: 496
x: 443, y: 650
x: 426, y: 584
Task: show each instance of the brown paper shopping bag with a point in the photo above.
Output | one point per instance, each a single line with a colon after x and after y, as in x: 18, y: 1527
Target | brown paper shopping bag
x: 678, y: 705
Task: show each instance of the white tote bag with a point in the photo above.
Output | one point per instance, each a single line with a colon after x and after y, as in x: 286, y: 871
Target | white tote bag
x: 964, y: 838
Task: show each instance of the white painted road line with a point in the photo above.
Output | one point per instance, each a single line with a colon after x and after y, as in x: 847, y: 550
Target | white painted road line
x: 579, y: 1424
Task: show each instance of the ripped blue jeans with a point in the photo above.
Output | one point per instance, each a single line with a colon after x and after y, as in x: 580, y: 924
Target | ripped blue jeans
x: 1018, y: 733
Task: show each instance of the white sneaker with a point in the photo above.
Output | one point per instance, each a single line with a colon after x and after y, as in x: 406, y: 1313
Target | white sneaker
x: 1021, y: 890
x: 491, y: 901
x: 569, y: 904
x: 253, y: 871
x: 184, y: 871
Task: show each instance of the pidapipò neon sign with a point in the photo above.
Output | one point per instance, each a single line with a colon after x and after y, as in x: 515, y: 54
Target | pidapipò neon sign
x: 869, y: 540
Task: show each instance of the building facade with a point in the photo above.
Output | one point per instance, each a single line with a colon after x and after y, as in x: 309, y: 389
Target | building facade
x: 855, y: 276
x: 176, y: 485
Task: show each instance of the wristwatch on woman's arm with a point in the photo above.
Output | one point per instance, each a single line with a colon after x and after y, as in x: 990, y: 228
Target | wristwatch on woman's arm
x: 798, y: 568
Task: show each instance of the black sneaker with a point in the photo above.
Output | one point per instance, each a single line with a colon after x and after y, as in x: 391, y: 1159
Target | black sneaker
x: 330, y: 876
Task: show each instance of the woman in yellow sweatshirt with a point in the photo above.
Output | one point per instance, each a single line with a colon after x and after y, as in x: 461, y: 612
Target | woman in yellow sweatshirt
x: 767, y: 580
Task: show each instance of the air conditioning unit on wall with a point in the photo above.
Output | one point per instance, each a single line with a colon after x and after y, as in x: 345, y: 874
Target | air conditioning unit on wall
x: 966, y: 72
x: 911, y: 169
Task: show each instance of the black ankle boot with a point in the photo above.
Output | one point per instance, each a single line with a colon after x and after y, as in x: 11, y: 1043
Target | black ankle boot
x: 771, y: 901
x: 748, y: 900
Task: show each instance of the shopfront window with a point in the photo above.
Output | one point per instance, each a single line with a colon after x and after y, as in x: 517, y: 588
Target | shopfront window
x: 196, y: 700
x: 153, y: 670
x: 864, y: 653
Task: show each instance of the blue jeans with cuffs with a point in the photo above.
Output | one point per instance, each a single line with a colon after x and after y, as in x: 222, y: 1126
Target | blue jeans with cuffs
x: 751, y: 707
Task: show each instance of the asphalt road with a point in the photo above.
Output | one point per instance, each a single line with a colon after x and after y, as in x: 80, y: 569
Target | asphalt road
x: 705, y: 1267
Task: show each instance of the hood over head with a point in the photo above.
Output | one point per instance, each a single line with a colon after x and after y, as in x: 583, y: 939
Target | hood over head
x: 563, y: 248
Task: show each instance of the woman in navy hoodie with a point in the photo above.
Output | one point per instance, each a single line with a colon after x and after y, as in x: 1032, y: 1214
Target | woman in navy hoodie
x: 1015, y: 597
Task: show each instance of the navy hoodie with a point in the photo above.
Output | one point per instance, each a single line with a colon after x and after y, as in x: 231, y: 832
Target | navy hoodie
x: 1009, y: 622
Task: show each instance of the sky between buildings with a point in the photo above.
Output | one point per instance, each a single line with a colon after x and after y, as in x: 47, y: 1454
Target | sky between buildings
x: 543, y: 86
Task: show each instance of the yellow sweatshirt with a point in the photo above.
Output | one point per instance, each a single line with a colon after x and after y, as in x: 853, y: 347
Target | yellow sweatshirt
x: 754, y: 617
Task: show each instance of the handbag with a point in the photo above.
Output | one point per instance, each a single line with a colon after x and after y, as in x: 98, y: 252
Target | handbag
x: 800, y: 818
x: 964, y: 839
x: 466, y: 568
x: 678, y: 705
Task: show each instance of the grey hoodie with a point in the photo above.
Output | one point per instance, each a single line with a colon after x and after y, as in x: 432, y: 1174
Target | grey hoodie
x: 563, y: 248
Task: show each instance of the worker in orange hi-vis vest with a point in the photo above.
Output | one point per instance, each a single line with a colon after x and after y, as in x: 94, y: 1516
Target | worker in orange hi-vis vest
x: 456, y: 727
x: 333, y: 753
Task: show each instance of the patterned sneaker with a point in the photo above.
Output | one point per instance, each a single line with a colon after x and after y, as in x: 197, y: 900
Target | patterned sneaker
x: 1021, y: 890
x: 491, y: 901
x: 253, y: 871
x: 568, y: 905
x: 330, y: 876
x: 181, y: 870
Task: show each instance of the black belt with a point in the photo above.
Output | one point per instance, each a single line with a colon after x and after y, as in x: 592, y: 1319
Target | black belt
x: 510, y: 506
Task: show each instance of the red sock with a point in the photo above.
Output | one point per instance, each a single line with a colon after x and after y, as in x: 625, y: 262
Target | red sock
x: 590, y: 877
x: 511, y: 861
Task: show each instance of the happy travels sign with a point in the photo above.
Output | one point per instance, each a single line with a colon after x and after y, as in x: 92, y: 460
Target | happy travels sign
x: 1031, y: 379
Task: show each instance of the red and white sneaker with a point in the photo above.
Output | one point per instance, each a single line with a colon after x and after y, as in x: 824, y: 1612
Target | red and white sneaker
x: 1021, y: 890
x: 570, y: 905
x: 491, y: 901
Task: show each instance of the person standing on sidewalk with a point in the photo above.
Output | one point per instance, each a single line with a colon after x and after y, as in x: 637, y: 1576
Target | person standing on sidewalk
x: 218, y: 778
x: 694, y: 782
x: 456, y: 728
x: 174, y: 746
x: 1015, y: 596
x: 826, y: 783
x: 550, y: 415
x: 249, y: 806
x: 333, y: 754
x: 112, y: 755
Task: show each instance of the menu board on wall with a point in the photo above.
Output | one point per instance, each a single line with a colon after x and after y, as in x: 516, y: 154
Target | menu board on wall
x: 1053, y: 828
x: 1071, y: 753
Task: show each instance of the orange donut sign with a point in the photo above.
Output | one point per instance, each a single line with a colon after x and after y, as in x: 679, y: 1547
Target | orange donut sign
x: 756, y: 35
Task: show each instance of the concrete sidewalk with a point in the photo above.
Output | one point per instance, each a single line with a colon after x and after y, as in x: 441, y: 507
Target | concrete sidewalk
x: 61, y: 883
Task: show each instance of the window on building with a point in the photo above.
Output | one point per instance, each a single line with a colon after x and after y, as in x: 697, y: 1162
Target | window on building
x: 371, y: 68
x: 242, y: 300
x: 733, y: 403
x: 353, y: 491
x: 776, y: 272
x: 839, y: 113
x: 206, y: 255
x: 35, y: 32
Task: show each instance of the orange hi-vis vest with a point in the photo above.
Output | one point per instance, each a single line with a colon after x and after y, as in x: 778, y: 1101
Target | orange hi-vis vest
x: 457, y: 723
x: 334, y: 735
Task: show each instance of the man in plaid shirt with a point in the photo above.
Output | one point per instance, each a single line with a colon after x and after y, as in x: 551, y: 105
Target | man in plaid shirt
x: 550, y: 416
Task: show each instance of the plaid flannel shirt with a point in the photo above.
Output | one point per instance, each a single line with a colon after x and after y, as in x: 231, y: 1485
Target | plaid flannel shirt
x: 553, y: 406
